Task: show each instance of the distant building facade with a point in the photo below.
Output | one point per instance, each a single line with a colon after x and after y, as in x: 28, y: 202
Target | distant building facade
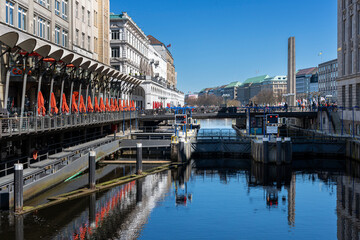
x: 250, y: 88
x: 307, y: 81
x: 129, y: 46
x: 277, y: 84
x: 328, y: 73
x: 166, y: 54
x: 232, y: 89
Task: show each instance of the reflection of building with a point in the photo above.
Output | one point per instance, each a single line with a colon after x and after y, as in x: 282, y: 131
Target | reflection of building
x: 328, y: 72
x: 348, y: 207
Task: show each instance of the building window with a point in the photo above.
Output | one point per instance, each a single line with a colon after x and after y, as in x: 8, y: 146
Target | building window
x: 57, y: 35
x: 116, y: 67
x: 57, y: 7
x: 9, y: 13
x: 344, y: 64
x: 77, y: 10
x: 95, y: 45
x: 343, y: 96
x: 350, y: 95
x: 65, y: 38
x: 83, y: 40
x: 343, y: 30
x: 350, y: 63
x: 77, y: 37
x: 22, y: 18
x: 89, y: 19
x: 42, y: 27
x: 115, y: 34
x: 64, y: 9
x: 83, y: 14
x: 44, y: 3
x: 115, y: 52
x: 350, y: 27
x: 89, y: 43
x: 95, y: 18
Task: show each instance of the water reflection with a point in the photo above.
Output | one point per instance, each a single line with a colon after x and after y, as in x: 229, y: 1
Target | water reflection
x: 288, y: 201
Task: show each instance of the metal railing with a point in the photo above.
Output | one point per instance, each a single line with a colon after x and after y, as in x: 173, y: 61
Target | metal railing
x: 17, y: 126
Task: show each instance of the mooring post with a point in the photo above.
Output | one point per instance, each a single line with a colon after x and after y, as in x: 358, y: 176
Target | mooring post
x: 18, y: 187
x: 266, y: 150
x: 288, y: 150
x: 19, y: 227
x: 139, y: 158
x: 278, y: 151
x: 139, y: 183
x: 92, y: 167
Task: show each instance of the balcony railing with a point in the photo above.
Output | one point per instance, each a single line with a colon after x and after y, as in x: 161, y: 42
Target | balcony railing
x: 13, y: 126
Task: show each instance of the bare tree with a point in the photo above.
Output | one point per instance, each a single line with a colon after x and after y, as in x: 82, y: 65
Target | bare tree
x: 205, y: 100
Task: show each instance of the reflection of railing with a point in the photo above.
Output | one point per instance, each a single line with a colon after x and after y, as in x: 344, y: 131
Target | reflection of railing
x: 11, y: 126
x: 219, y: 135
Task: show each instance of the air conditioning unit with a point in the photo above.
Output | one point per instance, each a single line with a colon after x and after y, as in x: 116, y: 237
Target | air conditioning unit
x: 156, y: 63
x: 151, y: 61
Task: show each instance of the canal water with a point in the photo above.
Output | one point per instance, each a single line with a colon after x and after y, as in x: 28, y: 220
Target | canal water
x: 210, y: 199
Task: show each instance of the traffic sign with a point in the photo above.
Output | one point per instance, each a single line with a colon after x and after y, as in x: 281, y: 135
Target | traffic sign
x: 271, y: 129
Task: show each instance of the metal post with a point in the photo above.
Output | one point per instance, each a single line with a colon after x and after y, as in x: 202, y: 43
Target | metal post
x: 123, y: 123
x: 278, y: 151
x: 61, y: 94
x: 92, y: 167
x: 266, y: 150
x: 18, y: 187
x: 7, y: 88
x: 130, y: 121
x: 71, y: 93
x: 87, y: 96
x: 139, y: 190
x: 51, y: 90
x: 78, y: 103
x: 23, y: 100
x: 139, y: 158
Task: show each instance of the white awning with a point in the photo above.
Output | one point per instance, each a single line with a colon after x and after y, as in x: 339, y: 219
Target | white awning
x: 8, y: 38
x: 42, y: 48
x: 56, y: 53
x: 67, y: 57
x: 77, y: 60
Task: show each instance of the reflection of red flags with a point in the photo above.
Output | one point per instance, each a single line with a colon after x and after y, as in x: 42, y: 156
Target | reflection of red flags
x: 82, y: 107
x: 13, y: 102
x: 74, y: 107
x: 90, y: 106
x: 107, y: 106
x: 41, y: 106
x: 54, y: 109
x: 64, y: 106
x: 97, y: 108
x: 133, y: 105
x: 120, y: 106
x: 102, y: 106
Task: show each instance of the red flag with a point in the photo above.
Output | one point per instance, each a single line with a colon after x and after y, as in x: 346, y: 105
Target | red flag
x: 168, y: 45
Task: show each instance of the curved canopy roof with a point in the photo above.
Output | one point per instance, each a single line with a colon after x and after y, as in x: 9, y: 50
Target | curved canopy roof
x: 14, y: 38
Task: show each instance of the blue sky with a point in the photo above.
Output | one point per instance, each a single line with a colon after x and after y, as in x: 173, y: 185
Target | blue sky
x: 215, y: 42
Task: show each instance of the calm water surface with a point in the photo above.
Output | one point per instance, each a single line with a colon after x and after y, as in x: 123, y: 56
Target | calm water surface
x: 209, y: 199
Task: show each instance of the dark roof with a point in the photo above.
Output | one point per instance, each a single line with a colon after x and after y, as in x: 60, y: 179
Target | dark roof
x: 307, y: 71
x: 154, y: 41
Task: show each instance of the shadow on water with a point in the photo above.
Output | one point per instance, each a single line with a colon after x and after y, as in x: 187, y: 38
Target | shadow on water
x: 123, y: 212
